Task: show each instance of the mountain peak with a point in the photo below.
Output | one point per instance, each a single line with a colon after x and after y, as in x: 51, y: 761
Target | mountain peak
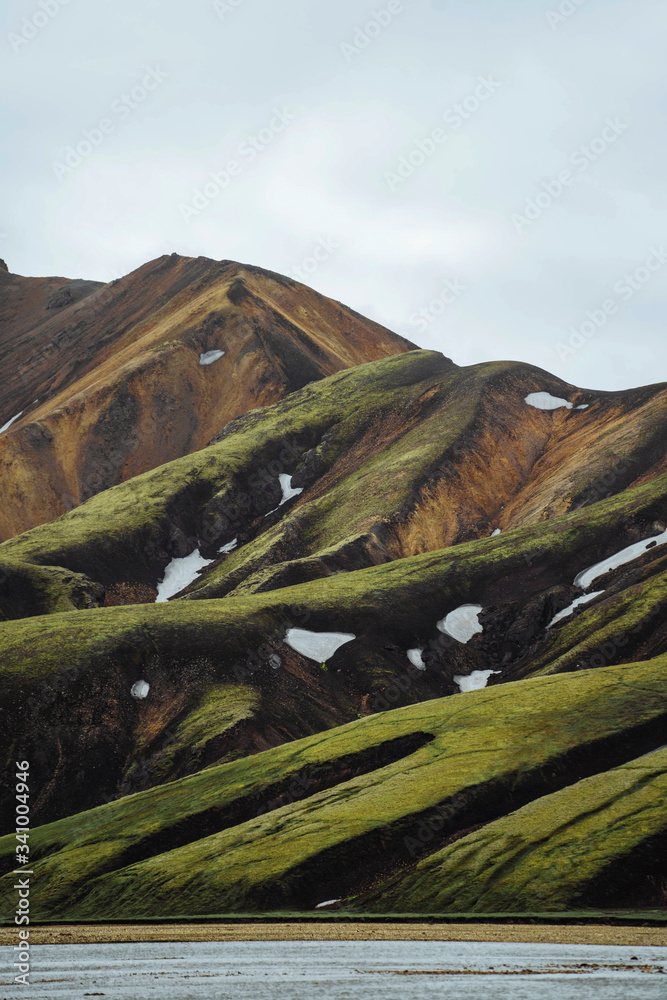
x: 121, y: 377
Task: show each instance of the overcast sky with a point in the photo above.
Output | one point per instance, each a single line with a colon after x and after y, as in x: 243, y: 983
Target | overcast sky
x: 486, y: 177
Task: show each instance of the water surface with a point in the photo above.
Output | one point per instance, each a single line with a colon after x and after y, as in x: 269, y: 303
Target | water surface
x: 340, y: 970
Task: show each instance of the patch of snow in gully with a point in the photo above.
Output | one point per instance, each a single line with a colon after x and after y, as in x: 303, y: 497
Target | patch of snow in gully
x: 494, y: 533
x: 585, y: 578
x: 288, y: 491
x: 318, y: 646
x: 327, y: 902
x: 462, y: 624
x: 566, y: 612
x: 10, y: 422
x: 545, y: 401
x: 475, y: 681
x: 140, y: 689
x: 210, y: 356
x: 287, y: 488
x: 415, y: 658
x: 583, y: 406
x: 179, y: 574
x: 230, y: 546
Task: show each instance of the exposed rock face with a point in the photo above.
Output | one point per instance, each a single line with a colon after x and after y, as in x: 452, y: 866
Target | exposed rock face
x: 327, y: 481
x: 108, y: 378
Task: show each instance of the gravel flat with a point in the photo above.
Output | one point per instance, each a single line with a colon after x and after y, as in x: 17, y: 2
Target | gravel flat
x: 530, y: 933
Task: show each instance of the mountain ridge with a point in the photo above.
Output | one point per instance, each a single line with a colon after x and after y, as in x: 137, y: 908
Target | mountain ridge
x: 252, y: 647
x: 117, y: 377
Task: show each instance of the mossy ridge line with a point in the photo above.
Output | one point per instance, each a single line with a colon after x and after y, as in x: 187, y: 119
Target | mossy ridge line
x: 321, y: 828
x: 134, y: 528
x: 547, y: 853
x: 117, y: 513
x: 212, y: 718
x: 609, y: 707
x: 343, y: 528
x: 32, y: 590
x: 351, y: 597
x: 49, y: 657
x: 333, y: 522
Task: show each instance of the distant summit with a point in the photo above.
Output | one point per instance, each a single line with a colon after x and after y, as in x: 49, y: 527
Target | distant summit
x: 110, y: 375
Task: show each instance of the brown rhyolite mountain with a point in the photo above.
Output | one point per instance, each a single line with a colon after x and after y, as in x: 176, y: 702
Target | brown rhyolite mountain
x: 108, y: 380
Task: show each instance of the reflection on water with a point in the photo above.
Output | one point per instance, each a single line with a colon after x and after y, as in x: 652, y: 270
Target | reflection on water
x: 340, y: 970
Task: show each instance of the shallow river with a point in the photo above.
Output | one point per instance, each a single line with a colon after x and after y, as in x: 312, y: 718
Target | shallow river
x: 338, y: 970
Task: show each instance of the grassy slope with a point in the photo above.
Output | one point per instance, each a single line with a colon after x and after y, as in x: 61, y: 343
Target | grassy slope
x: 488, y: 745
x: 61, y: 672
x: 408, y: 593
x: 372, y: 443
x: 602, y: 631
x: 543, y: 856
x: 131, y: 521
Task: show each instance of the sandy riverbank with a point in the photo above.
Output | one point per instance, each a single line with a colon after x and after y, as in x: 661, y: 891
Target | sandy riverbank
x: 538, y: 933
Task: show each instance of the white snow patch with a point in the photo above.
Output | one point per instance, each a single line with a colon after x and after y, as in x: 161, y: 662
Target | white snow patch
x: 287, y: 488
x: 288, y: 491
x: 415, y: 658
x: 179, y: 574
x: 585, y: 578
x: 140, y: 689
x: 496, y: 532
x: 545, y: 401
x: 327, y: 902
x: 229, y: 546
x: 583, y: 406
x: 210, y: 356
x: 10, y: 422
x: 474, y: 681
x: 566, y: 612
x: 462, y: 623
x: 318, y: 646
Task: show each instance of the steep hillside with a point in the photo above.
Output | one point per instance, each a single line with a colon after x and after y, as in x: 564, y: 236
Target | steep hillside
x: 103, y: 382
x: 326, y: 817
x: 369, y: 593
x: 406, y: 465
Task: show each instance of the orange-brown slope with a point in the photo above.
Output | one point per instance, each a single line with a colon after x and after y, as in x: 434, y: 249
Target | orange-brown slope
x: 520, y: 465
x: 38, y: 345
x: 119, y: 381
x: 460, y: 455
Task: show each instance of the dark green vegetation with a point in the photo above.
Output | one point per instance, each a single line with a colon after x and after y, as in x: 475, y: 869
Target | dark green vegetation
x: 598, y: 842
x: 252, y: 777
x: 316, y: 818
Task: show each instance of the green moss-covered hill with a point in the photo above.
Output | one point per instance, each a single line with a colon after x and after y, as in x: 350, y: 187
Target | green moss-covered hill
x: 372, y: 502
x: 327, y: 816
